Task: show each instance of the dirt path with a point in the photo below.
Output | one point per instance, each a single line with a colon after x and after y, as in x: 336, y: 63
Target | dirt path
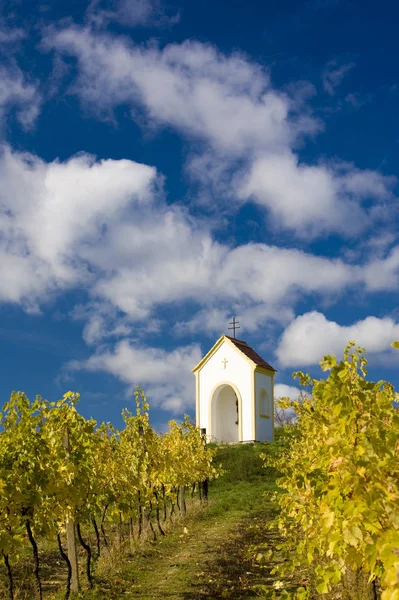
x: 206, y: 558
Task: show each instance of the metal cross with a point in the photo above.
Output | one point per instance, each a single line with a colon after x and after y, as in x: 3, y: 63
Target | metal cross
x: 235, y: 326
x: 225, y: 361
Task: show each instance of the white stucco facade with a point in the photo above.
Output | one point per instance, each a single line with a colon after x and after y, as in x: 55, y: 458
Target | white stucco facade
x: 264, y: 418
x: 228, y: 387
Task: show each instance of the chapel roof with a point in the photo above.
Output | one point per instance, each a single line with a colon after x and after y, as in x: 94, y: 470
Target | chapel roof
x: 250, y: 353
x: 240, y: 345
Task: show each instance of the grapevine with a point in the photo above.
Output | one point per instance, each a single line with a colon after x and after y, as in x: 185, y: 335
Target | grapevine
x: 339, y: 504
x: 56, y: 467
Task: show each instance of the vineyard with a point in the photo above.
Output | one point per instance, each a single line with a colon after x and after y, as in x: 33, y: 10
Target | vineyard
x: 339, y: 500
x: 61, y: 474
x: 313, y: 515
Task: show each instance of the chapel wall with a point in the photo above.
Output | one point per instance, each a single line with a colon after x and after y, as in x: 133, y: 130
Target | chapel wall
x: 238, y: 371
x: 264, y: 427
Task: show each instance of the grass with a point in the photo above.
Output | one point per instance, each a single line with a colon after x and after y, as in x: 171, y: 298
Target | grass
x: 205, y: 555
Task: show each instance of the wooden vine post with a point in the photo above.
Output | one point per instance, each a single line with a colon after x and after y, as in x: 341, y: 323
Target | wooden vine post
x: 143, y: 514
x: 203, y: 485
x: 182, y: 501
x: 71, y: 536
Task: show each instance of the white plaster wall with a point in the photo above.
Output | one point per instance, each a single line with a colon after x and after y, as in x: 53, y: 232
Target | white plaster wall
x: 264, y: 427
x: 238, y: 371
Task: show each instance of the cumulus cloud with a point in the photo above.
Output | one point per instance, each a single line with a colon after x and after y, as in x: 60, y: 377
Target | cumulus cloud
x: 165, y: 376
x: 282, y: 390
x: 196, y: 268
x: 245, y: 130
x: 105, y: 227
x: 382, y: 273
x: 103, y: 321
x: 226, y: 101
x: 50, y: 212
x: 311, y: 336
x: 317, y: 198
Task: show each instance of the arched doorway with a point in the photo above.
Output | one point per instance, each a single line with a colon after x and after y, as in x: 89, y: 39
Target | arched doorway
x: 225, y: 414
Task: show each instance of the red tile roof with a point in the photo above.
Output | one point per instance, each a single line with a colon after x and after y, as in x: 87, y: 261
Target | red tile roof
x: 250, y: 353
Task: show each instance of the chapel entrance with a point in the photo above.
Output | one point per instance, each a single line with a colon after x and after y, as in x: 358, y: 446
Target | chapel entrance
x: 225, y: 414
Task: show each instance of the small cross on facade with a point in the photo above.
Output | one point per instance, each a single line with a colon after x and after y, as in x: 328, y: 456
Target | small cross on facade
x: 225, y: 361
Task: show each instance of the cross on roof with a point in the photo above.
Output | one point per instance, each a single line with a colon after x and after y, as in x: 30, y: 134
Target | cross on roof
x: 235, y: 325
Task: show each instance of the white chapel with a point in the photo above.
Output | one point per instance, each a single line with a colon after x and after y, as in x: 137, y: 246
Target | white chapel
x: 234, y: 393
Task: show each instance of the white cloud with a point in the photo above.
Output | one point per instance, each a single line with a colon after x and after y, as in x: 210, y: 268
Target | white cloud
x: 226, y: 101
x: 50, y: 212
x: 254, y: 278
x: 104, y: 226
x: 281, y: 390
x: 98, y: 327
x: 102, y: 321
x: 356, y: 100
x: 10, y: 35
x: 270, y: 274
x: 213, y: 319
x: 165, y: 376
x: 241, y: 125
x: 138, y: 12
x: 334, y: 74
x: 383, y: 273
x: 19, y: 95
x: 284, y: 416
x: 311, y: 336
x: 130, y: 13
x: 364, y: 183
x: 313, y: 199
x: 24, y: 278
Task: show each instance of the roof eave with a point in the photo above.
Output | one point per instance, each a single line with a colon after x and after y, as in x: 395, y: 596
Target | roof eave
x: 208, y: 355
x: 262, y: 369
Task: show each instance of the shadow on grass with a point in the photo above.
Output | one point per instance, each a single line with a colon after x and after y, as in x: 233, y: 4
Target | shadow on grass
x: 234, y: 574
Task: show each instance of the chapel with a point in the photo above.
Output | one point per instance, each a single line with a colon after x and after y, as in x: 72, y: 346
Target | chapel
x: 234, y: 393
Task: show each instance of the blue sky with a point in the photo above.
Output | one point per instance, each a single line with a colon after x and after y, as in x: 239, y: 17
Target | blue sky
x: 164, y: 166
